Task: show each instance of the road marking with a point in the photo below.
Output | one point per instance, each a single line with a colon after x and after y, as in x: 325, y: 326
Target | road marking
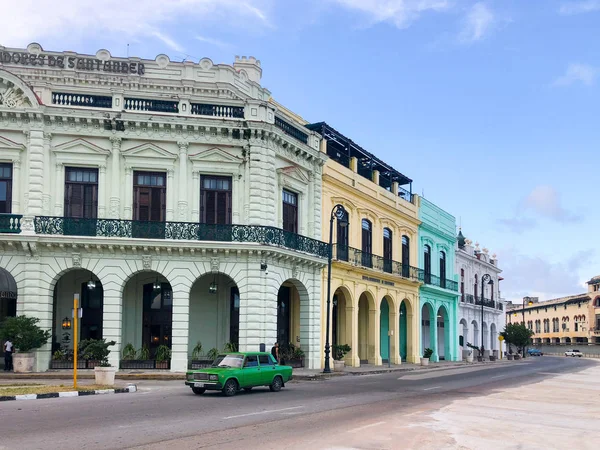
x: 366, y: 426
x: 262, y: 412
x: 434, y: 387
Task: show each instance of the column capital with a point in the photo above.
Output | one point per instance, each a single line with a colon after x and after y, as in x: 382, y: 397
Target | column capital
x: 102, y: 169
x: 170, y: 173
x: 16, y: 163
x: 128, y: 170
x: 116, y: 142
x: 183, y: 146
x: 195, y: 174
x: 47, y: 135
x: 59, y: 165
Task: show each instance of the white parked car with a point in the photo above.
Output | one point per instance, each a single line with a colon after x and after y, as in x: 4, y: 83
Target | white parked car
x: 573, y: 353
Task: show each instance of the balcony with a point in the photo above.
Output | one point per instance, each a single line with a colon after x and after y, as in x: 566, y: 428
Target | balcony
x: 291, y: 130
x: 91, y: 101
x: 10, y: 223
x: 131, y: 229
x: 470, y: 298
x: 434, y: 280
x: 230, y: 112
x: 357, y: 257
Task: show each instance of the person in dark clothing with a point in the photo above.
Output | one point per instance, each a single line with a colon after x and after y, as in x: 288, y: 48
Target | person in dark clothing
x: 8, y: 351
x: 275, y: 352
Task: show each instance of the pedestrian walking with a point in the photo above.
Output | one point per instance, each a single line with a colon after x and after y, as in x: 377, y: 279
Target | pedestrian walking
x: 8, y: 352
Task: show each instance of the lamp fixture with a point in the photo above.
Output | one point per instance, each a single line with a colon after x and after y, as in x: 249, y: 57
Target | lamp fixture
x: 212, y: 289
x: 91, y: 284
x: 156, y: 285
x: 66, y: 323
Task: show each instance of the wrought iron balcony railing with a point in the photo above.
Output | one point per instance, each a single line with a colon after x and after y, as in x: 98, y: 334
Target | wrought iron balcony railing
x: 434, y: 280
x: 202, y: 109
x: 117, y: 228
x: 470, y: 298
x: 10, y: 223
x: 291, y: 130
x: 92, y: 101
x: 359, y: 258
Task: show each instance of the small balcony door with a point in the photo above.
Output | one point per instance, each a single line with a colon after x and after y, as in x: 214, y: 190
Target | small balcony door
x: 405, y: 256
x: 342, y: 241
x: 427, y: 263
x: 81, y: 201
x: 367, y: 243
x: 290, y: 211
x: 387, y: 250
x: 149, y: 205
x: 5, y: 188
x: 443, y: 269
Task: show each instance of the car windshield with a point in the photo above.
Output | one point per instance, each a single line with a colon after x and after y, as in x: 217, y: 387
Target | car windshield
x: 228, y: 361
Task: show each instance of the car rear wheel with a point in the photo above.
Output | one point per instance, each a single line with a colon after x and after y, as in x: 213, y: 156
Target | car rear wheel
x: 198, y: 391
x: 277, y: 384
x: 230, y: 388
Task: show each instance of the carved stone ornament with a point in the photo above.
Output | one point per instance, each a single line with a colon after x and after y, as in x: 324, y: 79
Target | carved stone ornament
x: 214, y: 264
x: 146, y: 262
x: 12, y: 98
x: 295, y: 271
x: 76, y: 259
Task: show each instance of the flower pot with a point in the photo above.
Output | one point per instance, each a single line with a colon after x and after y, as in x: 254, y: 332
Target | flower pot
x: 469, y: 358
x: 510, y: 357
x: 480, y: 358
x: 105, y: 376
x: 517, y: 357
x: 492, y: 358
x: 23, y: 362
x: 338, y: 366
x: 424, y: 361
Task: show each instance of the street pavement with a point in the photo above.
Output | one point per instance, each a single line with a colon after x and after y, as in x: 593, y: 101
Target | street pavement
x: 392, y: 410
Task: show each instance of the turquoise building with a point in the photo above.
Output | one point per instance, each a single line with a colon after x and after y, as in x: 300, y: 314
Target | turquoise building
x: 439, y: 292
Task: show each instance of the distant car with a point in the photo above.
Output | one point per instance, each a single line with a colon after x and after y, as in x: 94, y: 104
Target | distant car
x: 534, y: 352
x: 573, y: 353
x: 232, y: 372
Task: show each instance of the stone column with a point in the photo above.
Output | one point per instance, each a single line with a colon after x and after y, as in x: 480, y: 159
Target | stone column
x: 170, y: 195
x: 36, y: 173
x: 112, y: 315
x: 352, y: 319
x: 59, y: 189
x: 47, y: 198
x: 413, y: 323
x: 196, y: 196
x: 374, y: 331
x: 180, y: 328
x: 16, y: 188
x: 237, y: 197
x: 102, y: 192
x: 395, y: 338
x: 309, y: 223
x: 115, y: 185
x: 128, y: 194
x: 433, y: 333
x: 182, y: 203
x: 263, y: 193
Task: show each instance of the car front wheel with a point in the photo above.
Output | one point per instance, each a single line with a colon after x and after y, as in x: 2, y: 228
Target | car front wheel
x: 198, y: 391
x: 277, y: 384
x: 230, y: 388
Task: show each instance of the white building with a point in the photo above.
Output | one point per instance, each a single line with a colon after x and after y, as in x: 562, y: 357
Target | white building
x: 472, y: 266
x: 188, y: 198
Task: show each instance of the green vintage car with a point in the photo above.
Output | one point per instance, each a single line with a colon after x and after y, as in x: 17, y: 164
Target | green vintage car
x: 231, y: 372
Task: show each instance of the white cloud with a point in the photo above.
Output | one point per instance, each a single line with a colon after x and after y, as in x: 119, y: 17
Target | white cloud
x: 478, y: 23
x: 579, y: 7
x: 528, y: 275
x: 400, y: 13
x: 545, y: 201
x: 583, y: 73
x: 211, y: 41
x: 66, y: 21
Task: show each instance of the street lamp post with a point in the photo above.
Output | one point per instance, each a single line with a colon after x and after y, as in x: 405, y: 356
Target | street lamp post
x: 487, y: 277
x: 338, y: 212
x: 529, y: 302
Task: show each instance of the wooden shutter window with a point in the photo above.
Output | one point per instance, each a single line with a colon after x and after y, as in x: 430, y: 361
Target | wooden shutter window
x: 81, y: 193
x: 5, y: 188
x: 215, y: 200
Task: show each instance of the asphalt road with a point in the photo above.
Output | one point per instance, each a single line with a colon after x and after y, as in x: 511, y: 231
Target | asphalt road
x: 168, y: 414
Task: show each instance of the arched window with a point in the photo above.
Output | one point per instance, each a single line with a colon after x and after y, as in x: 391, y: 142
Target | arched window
x: 367, y: 243
x: 462, y: 284
x: 342, y: 239
x: 405, y: 256
x: 387, y: 250
x: 443, y: 269
x: 427, y: 262
x: 475, y: 287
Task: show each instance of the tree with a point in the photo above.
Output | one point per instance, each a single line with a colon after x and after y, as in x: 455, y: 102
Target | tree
x: 24, y: 333
x: 517, y: 334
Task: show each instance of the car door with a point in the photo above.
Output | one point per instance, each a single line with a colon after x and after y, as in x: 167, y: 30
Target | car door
x: 251, y: 374
x: 267, y: 368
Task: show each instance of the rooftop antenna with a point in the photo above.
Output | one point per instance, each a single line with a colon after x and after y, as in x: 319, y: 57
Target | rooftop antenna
x: 459, y: 222
x: 423, y: 193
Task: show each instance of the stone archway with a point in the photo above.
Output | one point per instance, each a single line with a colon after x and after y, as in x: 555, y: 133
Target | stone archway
x: 428, y: 329
x: 341, y: 321
x: 443, y: 334
x: 214, y: 315
x: 406, y: 331
x: 293, y: 321
x: 385, y: 309
x: 464, y: 338
x: 494, y: 337
x: 474, y: 337
x: 8, y: 300
x: 366, y: 328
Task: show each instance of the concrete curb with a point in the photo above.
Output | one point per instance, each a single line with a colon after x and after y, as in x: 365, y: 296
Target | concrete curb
x: 126, y: 390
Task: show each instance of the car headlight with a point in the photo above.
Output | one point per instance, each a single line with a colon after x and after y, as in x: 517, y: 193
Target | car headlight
x: 213, y: 377
x: 190, y: 376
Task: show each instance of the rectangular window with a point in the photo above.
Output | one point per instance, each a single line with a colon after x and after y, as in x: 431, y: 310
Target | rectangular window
x: 5, y: 188
x: 215, y: 200
x: 149, y: 196
x: 290, y: 211
x: 81, y: 193
x: 264, y: 360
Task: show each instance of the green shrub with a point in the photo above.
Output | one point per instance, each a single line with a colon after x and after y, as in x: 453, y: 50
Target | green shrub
x: 163, y: 353
x: 427, y: 353
x: 96, y: 350
x: 340, y: 350
x: 197, y: 351
x: 24, y: 333
x: 129, y: 352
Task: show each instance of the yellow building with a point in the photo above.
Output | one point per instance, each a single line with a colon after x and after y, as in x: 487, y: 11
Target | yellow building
x: 374, y: 279
x: 568, y: 320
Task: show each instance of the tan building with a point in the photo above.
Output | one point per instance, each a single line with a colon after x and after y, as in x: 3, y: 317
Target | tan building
x: 568, y: 320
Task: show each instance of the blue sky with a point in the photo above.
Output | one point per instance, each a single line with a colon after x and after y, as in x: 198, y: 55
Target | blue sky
x: 491, y: 107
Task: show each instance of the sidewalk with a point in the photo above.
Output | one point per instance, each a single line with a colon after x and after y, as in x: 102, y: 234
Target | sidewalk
x: 299, y: 374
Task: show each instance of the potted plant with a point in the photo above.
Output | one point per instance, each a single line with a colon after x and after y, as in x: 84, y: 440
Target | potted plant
x: 26, y: 336
x: 510, y: 356
x: 199, y: 360
x: 163, y: 357
x: 212, y: 353
x: 426, y: 355
x: 97, y: 350
x: 470, y: 356
x: 339, y: 352
x: 129, y: 352
x: 480, y: 351
x: 230, y: 347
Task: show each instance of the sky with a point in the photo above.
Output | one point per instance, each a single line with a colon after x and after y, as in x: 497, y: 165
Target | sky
x: 491, y: 107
